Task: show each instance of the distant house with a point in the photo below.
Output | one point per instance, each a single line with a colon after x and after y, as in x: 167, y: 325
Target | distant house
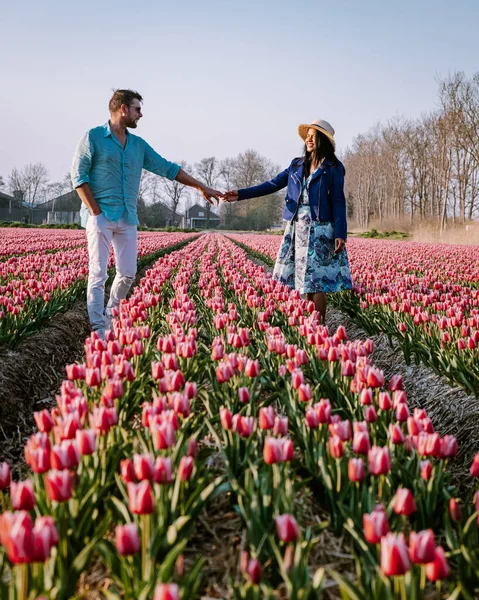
x: 69, y: 202
x: 197, y: 218
x: 12, y: 208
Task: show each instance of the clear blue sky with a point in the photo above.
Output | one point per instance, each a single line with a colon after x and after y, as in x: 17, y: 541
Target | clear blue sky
x: 219, y: 77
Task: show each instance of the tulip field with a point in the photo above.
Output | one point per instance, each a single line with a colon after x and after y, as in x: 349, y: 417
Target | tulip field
x: 217, y: 386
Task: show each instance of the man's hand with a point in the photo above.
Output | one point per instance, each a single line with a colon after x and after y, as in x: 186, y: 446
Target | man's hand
x: 339, y: 244
x: 209, y: 193
x: 231, y: 196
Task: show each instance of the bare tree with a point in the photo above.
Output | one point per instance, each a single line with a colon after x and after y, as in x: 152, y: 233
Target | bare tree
x: 173, y: 192
x: 208, y: 170
x: 31, y: 182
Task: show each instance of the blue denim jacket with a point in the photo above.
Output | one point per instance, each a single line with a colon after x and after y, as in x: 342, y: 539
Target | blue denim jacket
x: 326, y: 193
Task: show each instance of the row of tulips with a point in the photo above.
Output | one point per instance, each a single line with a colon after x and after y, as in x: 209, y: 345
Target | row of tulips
x: 209, y: 347
x: 14, y: 241
x: 426, y: 296
x: 36, y: 285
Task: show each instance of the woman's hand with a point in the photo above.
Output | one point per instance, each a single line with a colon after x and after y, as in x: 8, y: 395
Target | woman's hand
x: 339, y: 244
x: 231, y: 196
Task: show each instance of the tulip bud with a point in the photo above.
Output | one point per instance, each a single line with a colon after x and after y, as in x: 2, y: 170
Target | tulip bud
x: 280, y: 426
x: 356, y: 469
x: 396, y: 434
x: 379, y: 460
x: 43, y: 420
x: 304, y: 392
x: 127, y: 540
x: 244, y: 395
x: 4, y: 475
x: 439, y: 567
x: 335, y: 446
x: 143, y: 466
x: 127, y: 470
x: 474, y: 470
x: 384, y: 401
x: 185, y: 468
x: 252, y: 368
x: 58, y: 485
x: 375, y: 525
x: 226, y: 418
x: 421, y: 546
x: 361, y: 442
x: 287, y: 528
x: 167, y: 591
x: 22, y: 495
x: 394, y: 555
x: 140, y: 498
x: 254, y: 571
x: 266, y: 417
x: 455, y: 510
x: 86, y: 441
x: 425, y: 470
x: 404, y: 503
x: 366, y: 396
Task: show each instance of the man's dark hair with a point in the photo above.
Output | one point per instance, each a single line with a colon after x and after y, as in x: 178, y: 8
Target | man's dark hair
x: 123, y: 97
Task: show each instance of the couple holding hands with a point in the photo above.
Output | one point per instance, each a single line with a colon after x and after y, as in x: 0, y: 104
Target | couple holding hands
x: 106, y: 173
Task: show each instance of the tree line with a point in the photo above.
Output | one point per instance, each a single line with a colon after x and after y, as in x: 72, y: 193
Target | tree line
x: 420, y: 169
x: 32, y: 184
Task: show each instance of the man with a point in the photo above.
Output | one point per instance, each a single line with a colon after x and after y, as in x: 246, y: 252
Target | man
x: 106, y: 173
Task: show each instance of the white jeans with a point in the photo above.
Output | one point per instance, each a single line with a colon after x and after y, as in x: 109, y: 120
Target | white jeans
x: 100, y: 234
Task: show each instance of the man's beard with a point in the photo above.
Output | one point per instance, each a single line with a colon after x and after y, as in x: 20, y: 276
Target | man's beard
x: 132, y: 124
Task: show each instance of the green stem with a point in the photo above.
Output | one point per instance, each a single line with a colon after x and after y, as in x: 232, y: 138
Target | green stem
x: 338, y: 475
x: 22, y: 581
x: 145, y: 544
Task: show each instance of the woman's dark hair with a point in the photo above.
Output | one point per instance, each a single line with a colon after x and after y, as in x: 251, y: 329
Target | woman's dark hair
x: 322, y: 149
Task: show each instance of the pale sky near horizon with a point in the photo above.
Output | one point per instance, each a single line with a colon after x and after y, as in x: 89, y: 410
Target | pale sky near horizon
x: 219, y: 77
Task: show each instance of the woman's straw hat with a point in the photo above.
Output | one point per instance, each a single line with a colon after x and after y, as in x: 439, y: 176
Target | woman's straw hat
x: 320, y: 125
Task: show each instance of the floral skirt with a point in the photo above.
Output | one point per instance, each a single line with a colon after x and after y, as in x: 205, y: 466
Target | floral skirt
x: 306, y: 260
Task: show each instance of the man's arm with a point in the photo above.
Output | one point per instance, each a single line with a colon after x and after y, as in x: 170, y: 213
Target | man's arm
x: 205, y: 191
x: 155, y: 163
x: 80, y: 173
x: 87, y: 198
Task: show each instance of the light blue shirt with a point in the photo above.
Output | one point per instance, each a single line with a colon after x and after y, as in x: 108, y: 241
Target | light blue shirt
x: 113, y: 172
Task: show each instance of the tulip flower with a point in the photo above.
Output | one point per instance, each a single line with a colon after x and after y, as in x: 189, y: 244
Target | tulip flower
x: 304, y: 392
x: 226, y: 418
x: 421, y: 546
x: 360, y: 442
x: 16, y: 535
x: 127, y: 540
x: 43, y: 420
x: 384, y: 401
x: 163, y: 470
x: 252, y: 368
x: 370, y: 414
x: 127, y: 470
x: 394, y: 555
x: 396, y: 383
x: 143, y: 466
x: 379, y: 460
x: 335, y: 446
x: 266, y: 417
x: 254, y: 571
x: 86, y: 441
x: 163, y: 436
x: 404, y: 503
x: 425, y: 470
x: 366, y: 396
x: 185, y: 468
x: 277, y: 450
x: 448, y: 446
x: 375, y: 525
x: 356, y: 469
x: 167, y: 591
x: 474, y: 470
x: 280, y: 426
x: 140, y: 498
x: 287, y: 528
x: 192, y: 447
x: 244, y: 395
x: 455, y: 510
x: 297, y: 378
x: 439, y: 567
x: 323, y: 410
x: 58, y: 485
x: 45, y: 536
x: 312, y: 420
x: 4, y: 475
x: 396, y: 434
x: 22, y: 495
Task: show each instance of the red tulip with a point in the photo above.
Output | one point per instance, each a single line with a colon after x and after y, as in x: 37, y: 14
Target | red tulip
x: 439, y: 567
x: 43, y: 420
x: 127, y: 540
x: 404, y: 503
x: 396, y: 434
x: 16, y: 535
x: 244, y: 395
x: 143, y: 466
x: 394, y: 555
x: 356, y: 469
x: 375, y: 377
x: 22, y: 495
x: 475, y: 466
x: 86, y: 441
x: 252, y: 368
x: 421, y: 546
x: 304, y: 392
x: 370, y: 414
x: 58, y: 485
x: 335, y: 446
x: 455, y: 510
x: 384, y: 401
x: 266, y: 417
x: 287, y: 528
x: 4, y: 475
x: 361, y: 442
x: 45, y: 536
x: 163, y: 436
x: 140, y: 498
x: 185, y: 468
x: 312, y: 420
x: 366, y: 396
x: 280, y: 426
x: 402, y: 412
x: 342, y: 429
x: 297, y: 378
x: 375, y: 525
x: 254, y: 571
x: 226, y: 418
x: 425, y: 470
x: 396, y: 383
x: 323, y: 410
x: 379, y: 460
x: 163, y: 470
x: 127, y: 470
x: 167, y: 591
x: 224, y: 372
x: 448, y: 446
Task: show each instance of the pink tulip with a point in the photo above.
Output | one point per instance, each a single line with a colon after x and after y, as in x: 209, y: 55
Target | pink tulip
x: 439, y: 567
x: 58, y: 485
x: 356, y: 469
x: 244, y: 395
x: 22, y: 495
x: 455, y: 510
x: 4, y: 475
x: 421, y: 546
x: 127, y: 540
x: 394, y: 555
x: 86, y: 441
x: 361, y: 442
x: 185, y: 468
x: 140, y: 498
x: 379, y: 460
x: 266, y: 417
x: 375, y: 525
x: 287, y: 528
x: 167, y: 591
x: 404, y: 503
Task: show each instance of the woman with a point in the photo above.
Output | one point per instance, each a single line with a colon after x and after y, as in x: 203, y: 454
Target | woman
x: 312, y: 257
